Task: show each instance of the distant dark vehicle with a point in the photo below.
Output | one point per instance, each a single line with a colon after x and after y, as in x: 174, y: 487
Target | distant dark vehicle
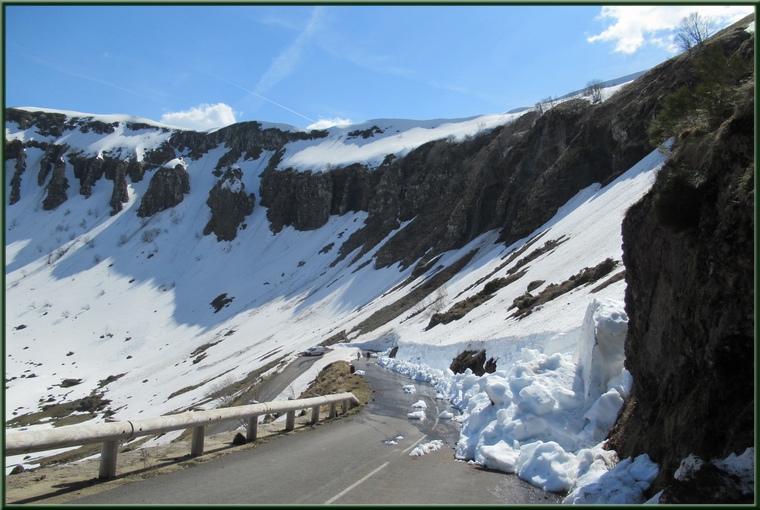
x: 314, y: 351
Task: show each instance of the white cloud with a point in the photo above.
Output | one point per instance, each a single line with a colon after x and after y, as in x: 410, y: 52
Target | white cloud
x: 328, y: 123
x: 202, y: 117
x: 634, y: 26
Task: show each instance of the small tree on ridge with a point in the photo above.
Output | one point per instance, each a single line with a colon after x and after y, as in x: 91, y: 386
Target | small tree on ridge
x: 693, y: 30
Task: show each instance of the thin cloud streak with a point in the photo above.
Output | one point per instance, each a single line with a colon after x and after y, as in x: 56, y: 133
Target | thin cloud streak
x: 68, y: 72
x: 286, y: 61
x: 225, y: 80
x: 237, y: 85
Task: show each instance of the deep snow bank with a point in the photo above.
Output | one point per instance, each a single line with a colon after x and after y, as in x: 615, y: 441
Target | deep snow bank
x: 545, y: 418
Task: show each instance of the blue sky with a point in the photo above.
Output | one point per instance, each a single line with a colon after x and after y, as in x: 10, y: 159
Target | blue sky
x: 203, y: 66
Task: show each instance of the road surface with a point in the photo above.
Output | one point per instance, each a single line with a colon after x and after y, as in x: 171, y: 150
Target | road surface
x: 360, y: 459
x: 271, y: 388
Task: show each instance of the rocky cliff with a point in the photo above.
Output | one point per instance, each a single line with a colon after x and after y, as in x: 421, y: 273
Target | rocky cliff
x: 689, y: 258
x: 446, y: 192
x: 512, y: 178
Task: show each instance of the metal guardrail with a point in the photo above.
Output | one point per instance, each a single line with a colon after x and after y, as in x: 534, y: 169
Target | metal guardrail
x: 111, y: 434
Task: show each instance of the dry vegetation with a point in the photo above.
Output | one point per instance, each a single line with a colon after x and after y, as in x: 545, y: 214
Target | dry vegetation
x: 338, y: 378
x: 527, y: 302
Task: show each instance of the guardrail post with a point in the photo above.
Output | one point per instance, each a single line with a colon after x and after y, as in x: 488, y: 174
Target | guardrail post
x: 345, y: 406
x: 332, y: 410
x: 196, y: 447
x: 253, y: 427
x: 290, y: 421
x: 314, y: 414
x: 108, y: 454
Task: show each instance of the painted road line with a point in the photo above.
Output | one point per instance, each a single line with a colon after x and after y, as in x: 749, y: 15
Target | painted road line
x: 354, y: 485
x: 415, y: 444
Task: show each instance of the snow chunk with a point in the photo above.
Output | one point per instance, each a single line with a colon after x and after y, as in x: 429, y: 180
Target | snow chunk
x: 547, y: 465
x: 446, y: 415
x: 176, y: 161
x: 409, y: 388
x: 420, y: 404
x: 625, y: 483
x: 416, y: 415
x: 426, y: 448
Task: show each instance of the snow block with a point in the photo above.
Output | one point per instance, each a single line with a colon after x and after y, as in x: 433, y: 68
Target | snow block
x: 600, y: 352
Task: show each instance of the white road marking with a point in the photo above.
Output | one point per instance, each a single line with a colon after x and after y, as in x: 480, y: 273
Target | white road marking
x: 414, y: 444
x: 353, y: 486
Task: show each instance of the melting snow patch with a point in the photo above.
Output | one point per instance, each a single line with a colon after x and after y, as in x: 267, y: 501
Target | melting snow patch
x: 409, y: 388
x: 416, y: 415
x: 625, y: 483
x: 426, y: 448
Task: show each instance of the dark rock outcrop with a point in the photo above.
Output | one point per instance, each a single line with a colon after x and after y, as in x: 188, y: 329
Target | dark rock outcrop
x: 305, y: 200
x: 46, y: 123
x: 88, y: 171
x: 689, y: 258
x: 15, y: 150
x: 120, y: 194
x: 53, y: 153
x: 475, y: 361
x: 167, y: 188
x: 56, y: 188
x: 229, y: 204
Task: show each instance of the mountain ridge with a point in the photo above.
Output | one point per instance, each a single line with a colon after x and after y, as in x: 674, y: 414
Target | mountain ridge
x: 307, y: 249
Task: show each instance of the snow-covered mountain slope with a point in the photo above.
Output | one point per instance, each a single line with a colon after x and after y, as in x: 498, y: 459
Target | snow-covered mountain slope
x: 133, y: 296
x: 119, y: 315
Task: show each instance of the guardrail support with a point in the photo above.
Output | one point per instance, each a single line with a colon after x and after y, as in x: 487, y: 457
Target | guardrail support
x: 290, y: 421
x: 345, y: 407
x: 196, y: 446
x: 253, y: 428
x: 333, y: 412
x: 108, y: 453
x: 314, y: 415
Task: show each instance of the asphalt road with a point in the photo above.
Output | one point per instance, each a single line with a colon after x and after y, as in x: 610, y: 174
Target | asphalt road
x: 271, y: 388
x: 361, y: 459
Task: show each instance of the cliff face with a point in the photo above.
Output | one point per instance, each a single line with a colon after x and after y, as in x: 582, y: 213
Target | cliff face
x: 167, y: 188
x: 229, y: 204
x: 689, y: 258
x: 513, y: 178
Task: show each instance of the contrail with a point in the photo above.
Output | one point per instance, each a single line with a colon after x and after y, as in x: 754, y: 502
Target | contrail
x: 63, y: 70
x: 250, y: 92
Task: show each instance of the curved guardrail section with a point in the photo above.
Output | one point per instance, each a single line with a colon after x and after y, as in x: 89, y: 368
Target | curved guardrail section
x: 111, y: 434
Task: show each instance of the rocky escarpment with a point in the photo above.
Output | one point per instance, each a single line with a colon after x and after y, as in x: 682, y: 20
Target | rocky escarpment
x: 229, y: 204
x: 57, y: 186
x: 513, y: 178
x: 305, y: 200
x: 167, y: 188
x: 244, y: 139
x: 689, y: 257
x: 445, y: 193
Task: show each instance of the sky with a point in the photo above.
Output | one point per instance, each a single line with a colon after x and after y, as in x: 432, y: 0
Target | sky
x: 203, y: 66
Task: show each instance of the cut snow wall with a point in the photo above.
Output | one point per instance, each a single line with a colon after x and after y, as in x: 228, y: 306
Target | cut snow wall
x: 600, y: 353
